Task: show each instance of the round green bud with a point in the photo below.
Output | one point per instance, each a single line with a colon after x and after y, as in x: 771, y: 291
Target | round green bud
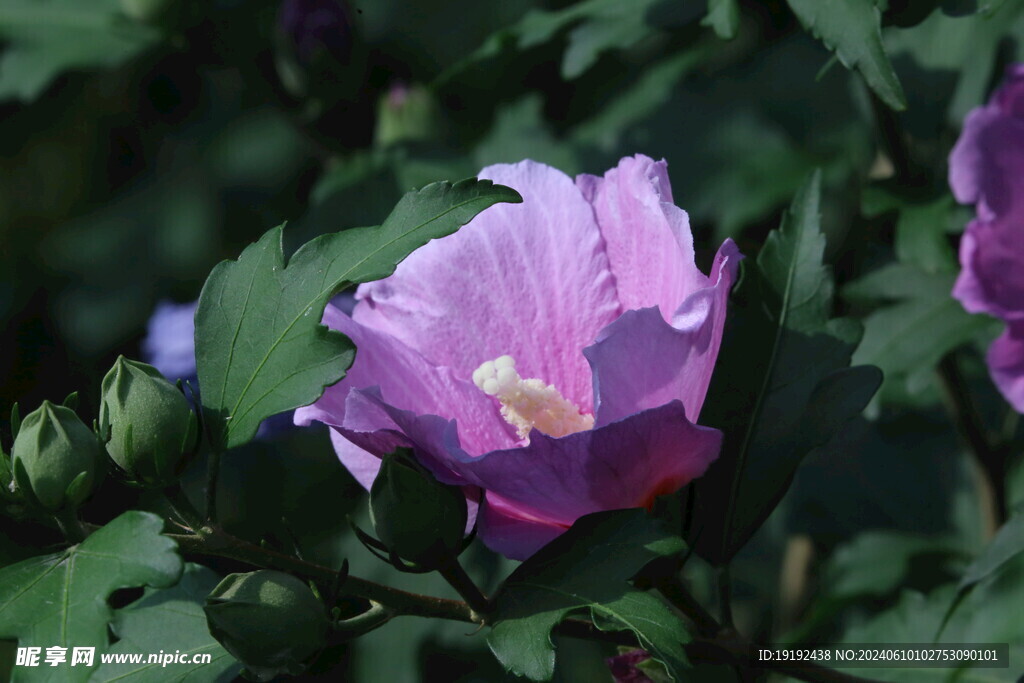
x: 57, y: 460
x: 270, y: 621
x: 405, y: 114
x: 414, y: 515
x: 150, y: 425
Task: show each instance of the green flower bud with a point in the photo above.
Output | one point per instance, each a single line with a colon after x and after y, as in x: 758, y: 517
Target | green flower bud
x: 270, y: 621
x: 406, y: 114
x: 414, y: 515
x: 57, y: 460
x: 150, y: 425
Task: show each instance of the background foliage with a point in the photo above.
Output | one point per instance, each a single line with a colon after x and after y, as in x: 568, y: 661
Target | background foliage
x: 144, y: 141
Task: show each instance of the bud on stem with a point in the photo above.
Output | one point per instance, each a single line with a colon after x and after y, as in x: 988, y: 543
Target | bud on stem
x: 56, y: 460
x: 417, y: 517
x: 150, y: 425
x: 270, y: 621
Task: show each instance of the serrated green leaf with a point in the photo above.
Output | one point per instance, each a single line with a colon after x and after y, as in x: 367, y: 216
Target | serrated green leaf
x: 852, y: 29
x: 724, y: 17
x: 170, y: 620
x: 260, y: 347
x: 587, y: 568
x: 782, y: 386
x: 47, y: 37
x: 61, y: 599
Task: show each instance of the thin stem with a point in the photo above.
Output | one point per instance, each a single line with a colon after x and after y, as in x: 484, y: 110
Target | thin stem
x: 182, y: 507
x: 219, y: 544
x: 676, y: 593
x: 212, y: 478
x: 457, y: 578
x: 893, y: 142
x: 70, y: 526
x: 371, y: 619
x: 725, y: 597
x: 988, y: 459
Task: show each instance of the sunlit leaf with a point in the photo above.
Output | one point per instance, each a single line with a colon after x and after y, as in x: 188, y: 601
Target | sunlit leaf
x: 586, y: 570
x: 260, y: 347
x: 61, y: 599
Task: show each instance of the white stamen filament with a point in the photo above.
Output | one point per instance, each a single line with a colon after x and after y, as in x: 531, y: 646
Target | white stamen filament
x: 529, y: 403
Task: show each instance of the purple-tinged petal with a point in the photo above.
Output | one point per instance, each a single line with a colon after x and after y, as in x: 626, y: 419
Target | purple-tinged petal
x: 620, y: 465
x: 381, y: 436
x: 1006, y: 362
x: 315, y: 26
x: 409, y: 382
x: 530, y: 280
x: 640, y: 361
x: 647, y: 237
x: 991, y: 278
x: 625, y: 668
x: 1010, y: 96
x: 967, y: 161
x: 987, y: 162
x: 506, y: 531
x: 362, y: 464
x: 170, y: 344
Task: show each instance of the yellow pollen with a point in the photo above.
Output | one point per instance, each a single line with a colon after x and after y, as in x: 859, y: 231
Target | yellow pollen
x: 529, y: 403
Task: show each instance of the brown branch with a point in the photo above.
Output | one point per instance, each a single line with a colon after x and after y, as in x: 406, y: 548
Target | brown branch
x: 220, y: 544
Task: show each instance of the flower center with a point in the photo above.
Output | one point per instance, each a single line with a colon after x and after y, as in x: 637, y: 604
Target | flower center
x: 529, y: 403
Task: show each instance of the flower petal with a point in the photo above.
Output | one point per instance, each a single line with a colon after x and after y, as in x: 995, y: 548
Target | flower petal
x: 1006, y: 362
x: 641, y: 362
x: 530, y: 280
x: 362, y: 464
x: 169, y: 345
x: 514, y: 536
x: 647, y: 237
x: 620, y: 465
x: 991, y: 279
x: 408, y: 381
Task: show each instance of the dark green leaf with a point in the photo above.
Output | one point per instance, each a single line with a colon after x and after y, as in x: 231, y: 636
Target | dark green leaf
x: 877, y: 563
x: 922, y: 226
x: 638, y: 99
x: 171, y: 620
x: 599, y: 25
x: 783, y: 384
x: 921, y: 324
x: 1007, y: 545
x: 260, y: 347
x: 587, y: 569
x: 61, y: 599
x: 724, y: 17
x: 47, y: 37
x: 852, y: 29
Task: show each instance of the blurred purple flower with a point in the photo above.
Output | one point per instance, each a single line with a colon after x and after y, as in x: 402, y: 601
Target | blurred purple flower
x: 170, y: 345
x: 317, y: 26
x: 554, y: 354
x: 986, y: 168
